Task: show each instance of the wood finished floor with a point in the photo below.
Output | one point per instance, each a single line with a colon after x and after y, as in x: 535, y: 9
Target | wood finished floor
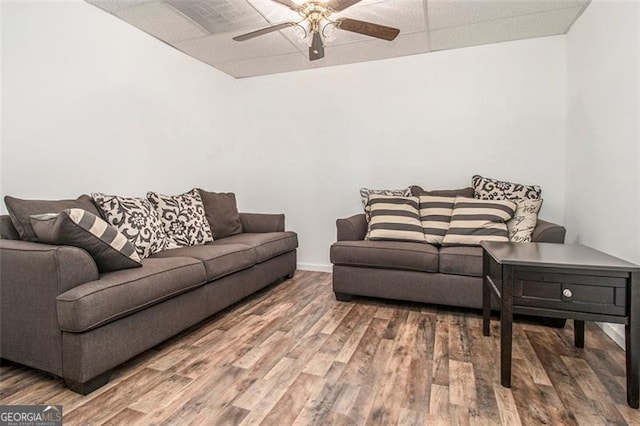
x: 292, y: 354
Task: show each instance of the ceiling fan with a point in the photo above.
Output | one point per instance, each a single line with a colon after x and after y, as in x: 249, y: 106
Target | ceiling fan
x: 315, y: 20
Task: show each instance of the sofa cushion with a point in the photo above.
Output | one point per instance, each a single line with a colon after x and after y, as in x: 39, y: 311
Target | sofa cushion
x: 79, y: 228
x: 473, y: 221
x: 386, y: 254
x: 219, y: 260
x: 417, y: 191
x: 222, y: 213
x: 461, y: 261
x: 21, y: 211
x: 266, y: 245
x: 395, y: 219
x: 182, y: 217
x: 494, y: 189
x: 137, y: 220
x: 120, y: 293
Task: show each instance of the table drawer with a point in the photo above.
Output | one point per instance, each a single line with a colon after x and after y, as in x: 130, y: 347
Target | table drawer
x: 582, y: 293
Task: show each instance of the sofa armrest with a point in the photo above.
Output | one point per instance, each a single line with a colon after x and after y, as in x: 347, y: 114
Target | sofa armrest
x: 548, y: 232
x: 32, y: 275
x: 262, y: 222
x: 353, y: 228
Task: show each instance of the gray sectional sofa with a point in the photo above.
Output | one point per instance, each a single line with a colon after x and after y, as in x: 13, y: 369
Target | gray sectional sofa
x: 60, y: 315
x: 409, y: 271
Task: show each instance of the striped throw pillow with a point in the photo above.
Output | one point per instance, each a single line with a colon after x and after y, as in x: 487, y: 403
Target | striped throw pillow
x: 366, y: 192
x: 435, y: 216
x: 475, y: 220
x: 395, y: 218
x: 110, y: 249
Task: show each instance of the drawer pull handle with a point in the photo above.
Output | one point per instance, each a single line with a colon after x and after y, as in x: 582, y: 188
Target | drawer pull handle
x: 567, y: 293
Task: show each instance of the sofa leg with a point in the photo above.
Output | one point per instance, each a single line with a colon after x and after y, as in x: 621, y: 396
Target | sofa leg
x: 85, y: 388
x: 289, y: 275
x: 343, y: 297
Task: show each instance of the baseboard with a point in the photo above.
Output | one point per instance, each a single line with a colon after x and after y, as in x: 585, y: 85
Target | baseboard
x: 316, y: 267
x: 615, y: 331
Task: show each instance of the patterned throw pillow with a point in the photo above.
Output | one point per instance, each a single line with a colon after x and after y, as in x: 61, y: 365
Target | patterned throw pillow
x: 79, y: 228
x: 137, y: 220
x: 435, y: 216
x: 366, y: 192
x: 493, y: 189
x: 183, y: 217
x: 474, y: 221
x: 395, y: 218
x: 524, y: 220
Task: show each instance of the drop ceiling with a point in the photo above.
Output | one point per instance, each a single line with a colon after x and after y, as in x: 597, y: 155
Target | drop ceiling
x: 204, y: 29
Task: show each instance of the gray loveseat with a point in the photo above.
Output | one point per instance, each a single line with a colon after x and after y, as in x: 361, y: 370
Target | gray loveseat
x: 412, y: 271
x: 58, y: 314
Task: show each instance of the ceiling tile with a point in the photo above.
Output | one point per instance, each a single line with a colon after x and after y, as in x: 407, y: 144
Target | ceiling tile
x: 221, y: 48
x: 267, y: 65
x: 220, y: 16
x: 113, y: 5
x: 162, y: 21
x: 516, y: 28
x: 448, y: 13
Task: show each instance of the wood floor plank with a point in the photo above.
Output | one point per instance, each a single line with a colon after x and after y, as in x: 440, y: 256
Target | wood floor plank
x: 506, y: 406
x: 293, y: 354
x: 288, y: 407
x: 125, y: 417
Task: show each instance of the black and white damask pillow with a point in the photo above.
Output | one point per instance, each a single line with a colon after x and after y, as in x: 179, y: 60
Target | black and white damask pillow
x: 137, y: 220
x: 183, y: 217
x: 494, y: 189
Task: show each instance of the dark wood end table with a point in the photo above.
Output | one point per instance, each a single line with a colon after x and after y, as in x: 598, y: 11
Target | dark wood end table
x: 562, y: 281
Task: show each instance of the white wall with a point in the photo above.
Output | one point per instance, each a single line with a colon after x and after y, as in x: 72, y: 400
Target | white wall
x: 93, y: 104
x: 603, y: 137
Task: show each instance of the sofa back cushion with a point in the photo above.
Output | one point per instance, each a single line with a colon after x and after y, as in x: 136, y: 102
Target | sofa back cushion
x: 137, y: 220
x: 417, y: 191
x: 183, y: 218
x: 79, y: 228
x: 221, y: 211
x: 21, y: 210
x: 473, y: 221
x: 395, y: 218
x: 435, y: 217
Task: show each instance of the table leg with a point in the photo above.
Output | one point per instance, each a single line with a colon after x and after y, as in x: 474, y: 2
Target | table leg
x: 632, y: 341
x: 486, y: 296
x: 506, y: 324
x: 578, y: 333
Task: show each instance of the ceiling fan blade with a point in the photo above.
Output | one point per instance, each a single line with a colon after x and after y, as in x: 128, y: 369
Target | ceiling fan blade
x: 290, y: 4
x: 316, y: 50
x: 263, y: 31
x: 368, y: 28
x: 340, y: 5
